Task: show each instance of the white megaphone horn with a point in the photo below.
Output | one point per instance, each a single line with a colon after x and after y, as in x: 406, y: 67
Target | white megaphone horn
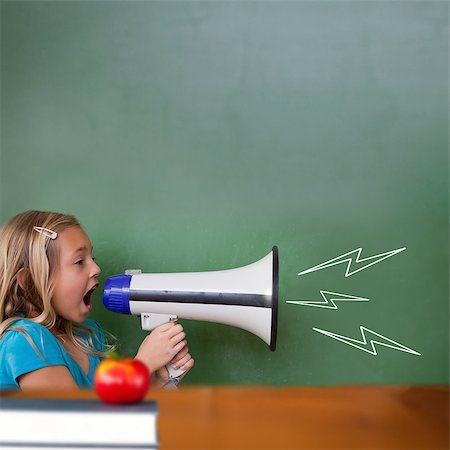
x: 245, y: 297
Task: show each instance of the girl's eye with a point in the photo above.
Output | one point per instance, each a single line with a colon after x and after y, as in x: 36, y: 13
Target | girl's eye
x: 80, y: 262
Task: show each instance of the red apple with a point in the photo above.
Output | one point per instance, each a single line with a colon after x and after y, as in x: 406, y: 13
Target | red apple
x: 121, y: 380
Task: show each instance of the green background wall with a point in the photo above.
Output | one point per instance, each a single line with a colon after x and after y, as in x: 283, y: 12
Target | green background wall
x: 193, y: 136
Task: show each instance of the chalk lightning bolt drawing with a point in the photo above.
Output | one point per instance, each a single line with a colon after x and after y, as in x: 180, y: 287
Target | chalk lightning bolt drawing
x: 329, y: 300
x: 362, y: 345
x: 346, y: 258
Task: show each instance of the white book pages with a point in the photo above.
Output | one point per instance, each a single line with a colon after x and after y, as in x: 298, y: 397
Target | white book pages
x: 77, y: 423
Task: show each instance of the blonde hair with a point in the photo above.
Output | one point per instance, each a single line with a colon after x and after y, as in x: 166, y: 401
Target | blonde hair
x: 33, y: 257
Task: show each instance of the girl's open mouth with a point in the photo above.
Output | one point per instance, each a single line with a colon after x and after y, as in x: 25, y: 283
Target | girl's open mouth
x: 87, y: 297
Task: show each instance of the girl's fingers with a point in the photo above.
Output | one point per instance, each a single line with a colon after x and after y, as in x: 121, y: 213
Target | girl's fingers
x: 174, y: 330
x: 179, y: 346
x: 188, y: 365
x: 177, y: 338
x: 167, y: 326
x: 181, y: 362
x: 181, y: 354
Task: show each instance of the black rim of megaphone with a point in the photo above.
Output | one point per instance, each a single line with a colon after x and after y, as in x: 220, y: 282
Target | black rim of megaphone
x: 273, y: 334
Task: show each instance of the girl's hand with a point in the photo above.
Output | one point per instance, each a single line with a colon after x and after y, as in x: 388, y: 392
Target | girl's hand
x: 161, y: 346
x: 182, y: 360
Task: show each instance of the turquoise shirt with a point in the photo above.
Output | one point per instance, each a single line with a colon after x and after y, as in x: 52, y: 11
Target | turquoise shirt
x: 17, y: 355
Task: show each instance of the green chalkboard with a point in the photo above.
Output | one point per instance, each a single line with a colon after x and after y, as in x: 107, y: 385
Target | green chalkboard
x: 194, y: 136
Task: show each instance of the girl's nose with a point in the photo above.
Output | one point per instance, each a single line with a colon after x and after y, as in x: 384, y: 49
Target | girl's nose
x: 96, y: 271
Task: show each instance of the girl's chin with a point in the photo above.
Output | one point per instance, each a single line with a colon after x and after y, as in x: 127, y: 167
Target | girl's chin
x: 83, y: 314
x: 76, y: 317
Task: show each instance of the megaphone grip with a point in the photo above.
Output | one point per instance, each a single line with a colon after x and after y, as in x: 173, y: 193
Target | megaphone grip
x: 174, y: 373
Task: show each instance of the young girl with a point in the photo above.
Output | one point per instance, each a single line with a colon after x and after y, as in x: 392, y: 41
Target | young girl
x: 48, y: 276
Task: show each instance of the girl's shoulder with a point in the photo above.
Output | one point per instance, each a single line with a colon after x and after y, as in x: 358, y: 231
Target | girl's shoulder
x: 26, y: 343
x: 24, y: 347
x: 30, y: 328
x: 25, y: 332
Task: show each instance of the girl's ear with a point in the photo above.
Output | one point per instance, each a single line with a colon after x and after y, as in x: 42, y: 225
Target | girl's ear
x: 21, y: 277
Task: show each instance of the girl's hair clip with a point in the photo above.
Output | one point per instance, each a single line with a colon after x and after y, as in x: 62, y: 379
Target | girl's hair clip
x: 46, y: 232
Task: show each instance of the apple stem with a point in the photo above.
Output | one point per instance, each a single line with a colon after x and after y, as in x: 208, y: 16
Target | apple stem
x: 113, y: 355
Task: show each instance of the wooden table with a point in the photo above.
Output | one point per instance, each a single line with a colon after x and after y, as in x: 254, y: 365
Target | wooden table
x: 353, y: 417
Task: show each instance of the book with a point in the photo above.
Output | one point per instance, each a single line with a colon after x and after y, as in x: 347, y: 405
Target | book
x: 76, y: 424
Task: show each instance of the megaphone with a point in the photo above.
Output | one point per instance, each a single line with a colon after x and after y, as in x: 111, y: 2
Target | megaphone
x: 245, y: 297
